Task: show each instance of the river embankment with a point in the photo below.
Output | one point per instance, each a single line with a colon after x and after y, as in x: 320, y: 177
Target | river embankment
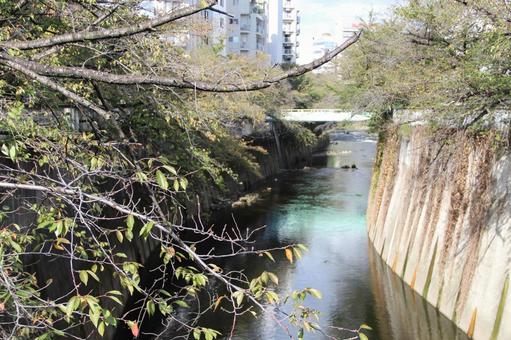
x: 439, y: 215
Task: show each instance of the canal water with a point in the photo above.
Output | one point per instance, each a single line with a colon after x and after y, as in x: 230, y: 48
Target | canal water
x: 324, y: 208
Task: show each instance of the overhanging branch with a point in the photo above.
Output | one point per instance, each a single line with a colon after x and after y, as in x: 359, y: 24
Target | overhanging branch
x: 102, y: 34
x: 130, y: 79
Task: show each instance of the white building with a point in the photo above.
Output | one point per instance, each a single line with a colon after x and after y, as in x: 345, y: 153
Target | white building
x: 210, y: 26
x: 328, y: 41
x: 322, y: 45
x: 248, y: 28
x: 284, y: 28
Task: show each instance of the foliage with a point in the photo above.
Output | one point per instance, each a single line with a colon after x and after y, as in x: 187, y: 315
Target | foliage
x: 85, y: 205
x: 446, y: 57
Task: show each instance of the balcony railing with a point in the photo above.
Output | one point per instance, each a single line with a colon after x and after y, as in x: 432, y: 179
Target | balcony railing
x: 245, y: 27
x: 288, y: 5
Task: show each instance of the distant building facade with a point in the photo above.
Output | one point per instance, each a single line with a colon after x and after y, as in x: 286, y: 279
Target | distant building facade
x: 215, y: 23
x: 250, y: 27
x: 327, y: 42
x: 283, y: 31
x: 247, y: 28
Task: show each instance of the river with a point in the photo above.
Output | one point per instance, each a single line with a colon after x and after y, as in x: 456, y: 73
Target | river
x: 324, y: 207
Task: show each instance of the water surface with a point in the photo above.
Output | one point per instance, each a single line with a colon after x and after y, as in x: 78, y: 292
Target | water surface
x: 325, y: 208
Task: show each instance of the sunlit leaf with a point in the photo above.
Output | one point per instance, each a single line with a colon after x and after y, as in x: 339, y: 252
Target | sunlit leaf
x: 162, y: 180
x: 289, y: 254
x: 84, y: 277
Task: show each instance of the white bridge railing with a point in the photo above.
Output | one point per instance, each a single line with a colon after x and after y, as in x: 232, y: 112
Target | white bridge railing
x: 323, y: 115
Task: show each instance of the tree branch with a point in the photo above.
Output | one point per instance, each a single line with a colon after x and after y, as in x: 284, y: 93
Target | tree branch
x: 87, y: 35
x: 128, y: 79
x: 493, y: 16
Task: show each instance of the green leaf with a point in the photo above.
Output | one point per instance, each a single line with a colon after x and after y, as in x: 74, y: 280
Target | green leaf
x: 84, y: 277
x: 162, y: 180
x: 183, y: 182
x: 176, y: 185
x: 94, y: 276
x: 94, y: 314
x: 181, y: 303
x: 119, y: 235
x: 269, y: 255
x: 196, y: 333
x: 12, y: 153
x: 116, y: 299
x: 150, y: 307
x: 273, y: 278
x: 170, y: 169
x: 364, y: 326
x: 101, y: 328
x: 315, y: 293
x: 142, y: 177
x: 130, y: 222
x: 239, y: 296
x: 129, y: 235
x: 362, y: 336
x: 146, y: 229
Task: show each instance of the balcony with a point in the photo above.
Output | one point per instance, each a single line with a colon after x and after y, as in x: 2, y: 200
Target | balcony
x: 288, y: 29
x: 288, y: 17
x: 288, y: 52
x: 288, y: 42
x: 244, y: 45
x: 245, y: 27
x: 288, y: 5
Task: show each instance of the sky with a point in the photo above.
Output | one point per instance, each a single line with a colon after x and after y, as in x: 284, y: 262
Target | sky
x: 326, y: 16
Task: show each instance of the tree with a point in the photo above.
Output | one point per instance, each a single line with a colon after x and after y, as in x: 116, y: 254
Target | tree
x: 446, y: 58
x: 87, y: 203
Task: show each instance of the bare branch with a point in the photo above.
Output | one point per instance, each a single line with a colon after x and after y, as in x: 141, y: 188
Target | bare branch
x: 102, y: 34
x: 128, y: 79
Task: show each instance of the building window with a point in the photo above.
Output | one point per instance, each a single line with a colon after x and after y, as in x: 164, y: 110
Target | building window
x: 221, y: 22
x: 235, y: 2
x: 233, y: 21
x: 222, y: 3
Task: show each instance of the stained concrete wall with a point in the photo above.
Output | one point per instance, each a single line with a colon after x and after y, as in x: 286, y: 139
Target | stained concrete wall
x: 440, y: 216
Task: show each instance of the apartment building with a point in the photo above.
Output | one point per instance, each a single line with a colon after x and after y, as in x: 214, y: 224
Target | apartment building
x: 283, y: 31
x: 210, y: 25
x: 248, y: 27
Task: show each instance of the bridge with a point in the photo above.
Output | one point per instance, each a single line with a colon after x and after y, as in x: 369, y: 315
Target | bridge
x: 323, y: 116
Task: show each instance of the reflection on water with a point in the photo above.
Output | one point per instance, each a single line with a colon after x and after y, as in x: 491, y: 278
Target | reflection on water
x: 325, y: 208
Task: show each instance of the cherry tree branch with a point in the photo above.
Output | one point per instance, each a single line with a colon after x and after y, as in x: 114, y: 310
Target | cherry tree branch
x: 101, y: 34
x: 133, y: 79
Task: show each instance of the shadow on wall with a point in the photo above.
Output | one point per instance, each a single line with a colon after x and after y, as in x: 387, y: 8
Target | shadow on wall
x: 412, y: 316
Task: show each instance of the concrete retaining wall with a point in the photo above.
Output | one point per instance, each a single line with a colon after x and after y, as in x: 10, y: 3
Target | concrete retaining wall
x: 440, y: 216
